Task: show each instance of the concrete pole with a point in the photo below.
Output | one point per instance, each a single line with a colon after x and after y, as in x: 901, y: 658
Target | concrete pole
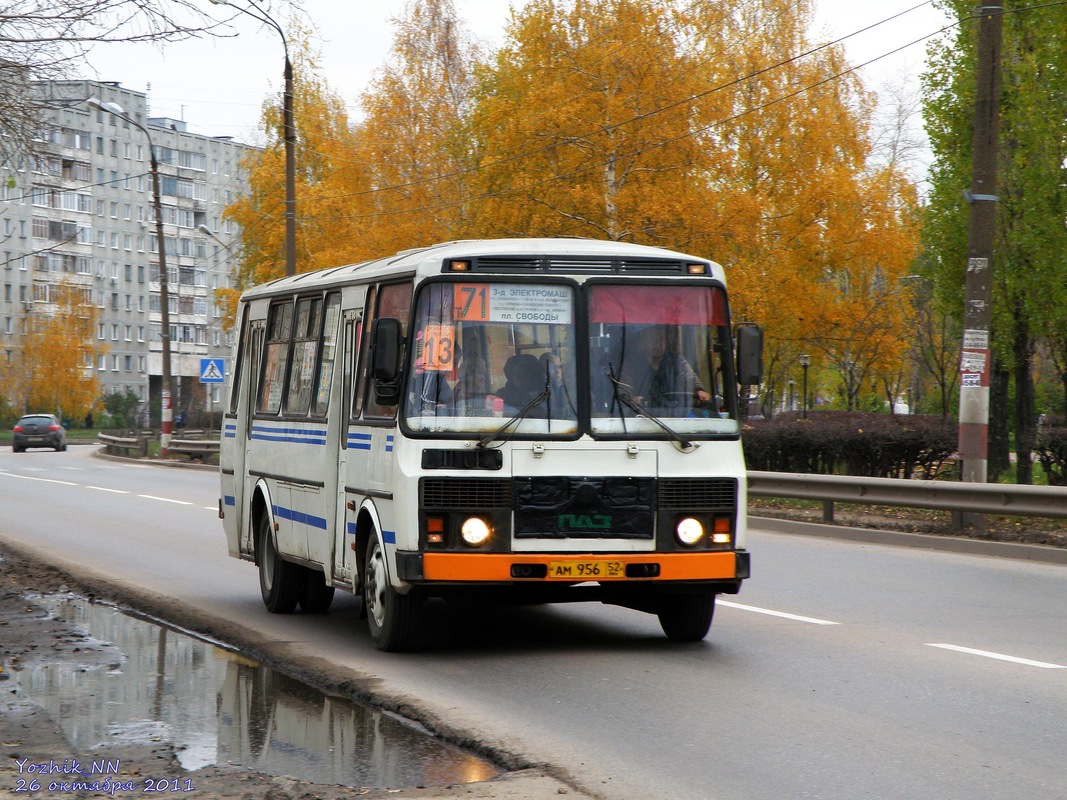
x: 975, y: 364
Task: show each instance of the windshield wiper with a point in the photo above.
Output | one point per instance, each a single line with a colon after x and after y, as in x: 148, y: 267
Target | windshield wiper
x: 627, y: 400
x: 539, y: 398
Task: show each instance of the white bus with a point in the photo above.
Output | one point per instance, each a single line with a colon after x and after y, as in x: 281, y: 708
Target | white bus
x: 538, y: 420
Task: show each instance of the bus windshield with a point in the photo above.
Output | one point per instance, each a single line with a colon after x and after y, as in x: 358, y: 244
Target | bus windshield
x: 658, y: 357
x: 486, y: 352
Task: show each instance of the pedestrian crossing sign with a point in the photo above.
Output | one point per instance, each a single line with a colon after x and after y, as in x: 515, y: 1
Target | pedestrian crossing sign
x: 212, y: 370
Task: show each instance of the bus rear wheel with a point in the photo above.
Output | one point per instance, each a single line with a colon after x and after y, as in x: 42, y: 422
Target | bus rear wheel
x: 686, y: 617
x: 391, y: 617
x: 279, y: 580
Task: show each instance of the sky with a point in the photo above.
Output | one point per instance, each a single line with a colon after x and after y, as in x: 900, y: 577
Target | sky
x: 218, y: 86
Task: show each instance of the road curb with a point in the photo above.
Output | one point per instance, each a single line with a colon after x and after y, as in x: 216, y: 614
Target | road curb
x: 950, y: 544
x: 154, y: 462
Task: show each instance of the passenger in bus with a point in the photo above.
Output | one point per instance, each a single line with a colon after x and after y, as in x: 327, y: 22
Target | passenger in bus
x: 472, y: 387
x: 525, y: 379
x: 658, y: 378
x: 552, y: 369
x: 559, y: 400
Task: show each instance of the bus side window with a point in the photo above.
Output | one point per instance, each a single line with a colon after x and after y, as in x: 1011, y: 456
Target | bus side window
x: 303, y: 354
x: 362, y: 348
x: 394, y: 300
x: 279, y: 328
x: 235, y: 377
x: 328, y: 354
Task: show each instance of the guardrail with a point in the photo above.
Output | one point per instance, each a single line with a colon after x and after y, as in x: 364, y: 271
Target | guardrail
x: 981, y: 498
x: 195, y: 448
x: 135, y: 442
x: 124, y: 445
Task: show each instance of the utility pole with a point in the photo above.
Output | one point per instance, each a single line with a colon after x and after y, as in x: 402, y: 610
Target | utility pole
x: 976, y: 360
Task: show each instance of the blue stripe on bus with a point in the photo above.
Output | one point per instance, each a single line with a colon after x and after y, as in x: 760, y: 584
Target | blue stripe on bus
x: 389, y: 443
x: 299, y: 517
x: 263, y: 433
x: 360, y: 441
x: 389, y: 537
x: 230, y: 431
x: 229, y: 500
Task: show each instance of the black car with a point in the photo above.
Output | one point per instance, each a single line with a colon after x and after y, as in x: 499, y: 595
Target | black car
x: 38, y: 430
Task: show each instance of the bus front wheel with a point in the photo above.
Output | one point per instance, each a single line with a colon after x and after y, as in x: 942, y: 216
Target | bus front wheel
x: 686, y: 617
x: 391, y: 617
x: 279, y: 580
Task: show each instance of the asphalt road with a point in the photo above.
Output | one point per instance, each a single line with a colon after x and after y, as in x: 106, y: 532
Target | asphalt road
x: 842, y: 670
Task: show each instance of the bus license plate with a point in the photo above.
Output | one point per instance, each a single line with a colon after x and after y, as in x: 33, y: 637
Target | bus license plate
x: 586, y: 570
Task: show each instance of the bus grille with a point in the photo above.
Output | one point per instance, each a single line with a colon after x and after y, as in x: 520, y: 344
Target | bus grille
x: 698, y: 493
x: 465, y: 493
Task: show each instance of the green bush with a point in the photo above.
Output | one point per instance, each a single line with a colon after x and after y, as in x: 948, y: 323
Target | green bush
x: 851, y: 443
x: 1051, y: 450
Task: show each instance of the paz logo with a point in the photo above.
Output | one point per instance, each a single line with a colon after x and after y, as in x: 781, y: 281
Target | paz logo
x: 584, y: 522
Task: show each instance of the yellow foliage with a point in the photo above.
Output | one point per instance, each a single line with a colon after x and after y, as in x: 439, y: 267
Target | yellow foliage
x: 699, y: 125
x: 54, y: 371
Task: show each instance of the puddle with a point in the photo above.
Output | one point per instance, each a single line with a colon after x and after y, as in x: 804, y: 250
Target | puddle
x: 218, y: 707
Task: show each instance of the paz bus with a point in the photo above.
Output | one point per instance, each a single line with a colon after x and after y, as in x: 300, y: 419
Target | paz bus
x: 529, y: 420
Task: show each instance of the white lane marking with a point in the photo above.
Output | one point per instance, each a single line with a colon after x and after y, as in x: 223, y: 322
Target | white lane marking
x: 105, y: 489
x: 42, y: 480
x: 998, y: 656
x: 164, y: 499
x: 782, y: 614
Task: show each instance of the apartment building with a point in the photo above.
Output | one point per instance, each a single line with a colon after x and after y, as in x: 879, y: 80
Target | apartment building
x: 81, y: 212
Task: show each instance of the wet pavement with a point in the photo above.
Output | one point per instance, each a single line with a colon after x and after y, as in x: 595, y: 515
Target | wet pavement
x: 149, y: 684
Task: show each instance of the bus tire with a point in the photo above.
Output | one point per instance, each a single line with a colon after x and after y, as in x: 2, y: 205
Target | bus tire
x: 686, y: 617
x: 279, y: 580
x: 391, y: 617
x: 315, y: 595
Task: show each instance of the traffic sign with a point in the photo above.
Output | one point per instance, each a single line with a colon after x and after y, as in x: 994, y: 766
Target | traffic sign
x: 212, y: 370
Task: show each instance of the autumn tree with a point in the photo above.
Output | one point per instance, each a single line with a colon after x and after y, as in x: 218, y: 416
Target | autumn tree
x: 584, y: 126
x: 704, y: 126
x: 412, y: 142
x: 324, y: 181
x: 1030, y: 276
x: 836, y: 230
x: 367, y: 189
x: 54, y: 366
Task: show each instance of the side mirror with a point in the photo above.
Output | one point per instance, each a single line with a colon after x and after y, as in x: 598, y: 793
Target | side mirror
x: 386, y: 343
x: 748, y: 338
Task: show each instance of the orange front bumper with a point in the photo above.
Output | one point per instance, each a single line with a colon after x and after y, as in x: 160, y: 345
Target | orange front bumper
x: 497, y: 567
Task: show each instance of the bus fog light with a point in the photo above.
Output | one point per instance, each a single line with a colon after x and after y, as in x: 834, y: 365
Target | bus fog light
x: 475, y: 531
x: 689, y: 531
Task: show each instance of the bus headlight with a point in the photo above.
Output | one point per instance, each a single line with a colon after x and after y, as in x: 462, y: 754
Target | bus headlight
x: 475, y: 531
x: 689, y: 531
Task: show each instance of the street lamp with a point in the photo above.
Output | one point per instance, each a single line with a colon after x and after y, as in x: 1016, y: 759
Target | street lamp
x: 167, y: 391
x: 805, y: 362
x: 289, y: 134
x: 204, y: 229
